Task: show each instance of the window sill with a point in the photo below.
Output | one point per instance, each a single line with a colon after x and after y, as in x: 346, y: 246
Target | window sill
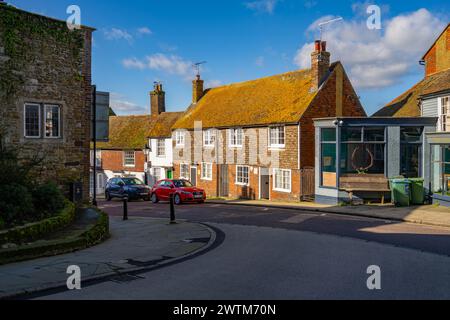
x: 206, y: 179
x: 282, y: 190
x: 242, y: 184
x: 277, y: 148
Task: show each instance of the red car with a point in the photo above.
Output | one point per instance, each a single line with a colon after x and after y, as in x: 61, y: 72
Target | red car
x: 183, y: 191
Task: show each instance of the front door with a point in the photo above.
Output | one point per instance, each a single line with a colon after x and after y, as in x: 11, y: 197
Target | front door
x: 169, y: 174
x: 223, y: 181
x: 194, y: 176
x: 264, y: 182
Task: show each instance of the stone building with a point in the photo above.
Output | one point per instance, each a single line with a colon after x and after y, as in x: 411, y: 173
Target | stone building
x: 45, y: 93
x: 256, y: 139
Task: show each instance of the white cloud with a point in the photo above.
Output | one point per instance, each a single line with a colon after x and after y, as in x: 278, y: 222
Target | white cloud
x: 310, y: 4
x: 260, y: 61
x: 171, y: 64
x: 213, y: 83
x: 262, y: 6
x: 145, y: 31
x: 117, y: 34
x: 122, y: 106
x: 377, y: 58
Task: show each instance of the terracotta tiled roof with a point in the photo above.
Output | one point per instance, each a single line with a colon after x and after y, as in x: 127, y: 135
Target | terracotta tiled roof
x: 407, y: 104
x: 277, y: 99
x: 162, y: 127
x: 128, y: 132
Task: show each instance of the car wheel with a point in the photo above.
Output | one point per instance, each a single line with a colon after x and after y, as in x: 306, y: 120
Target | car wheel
x: 154, y: 198
x: 177, y: 199
x: 108, y: 196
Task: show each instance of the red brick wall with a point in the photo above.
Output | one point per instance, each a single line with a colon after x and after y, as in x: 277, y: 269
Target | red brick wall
x: 113, y: 160
x: 324, y: 105
x: 294, y: 195
x: 430, y: 62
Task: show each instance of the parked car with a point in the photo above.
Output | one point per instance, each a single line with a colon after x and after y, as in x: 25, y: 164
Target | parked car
x: 183, y: 191
x: 132, y: 187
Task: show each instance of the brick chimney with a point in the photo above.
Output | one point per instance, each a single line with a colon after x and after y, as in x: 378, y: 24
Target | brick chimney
x: 157, y: 100
x: 320, y: 63
x: 197, y: 89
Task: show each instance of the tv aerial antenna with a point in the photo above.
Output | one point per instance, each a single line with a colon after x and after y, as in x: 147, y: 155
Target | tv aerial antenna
x: 197, y: 67
x: 325, y: 23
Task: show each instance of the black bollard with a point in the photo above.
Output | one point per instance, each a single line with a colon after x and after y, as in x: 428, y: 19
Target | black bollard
x: 125, y: 208
x: 172, y: 209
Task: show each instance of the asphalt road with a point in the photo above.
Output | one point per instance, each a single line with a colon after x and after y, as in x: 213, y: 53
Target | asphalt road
x: 284, y: 254
x: 407, y: 235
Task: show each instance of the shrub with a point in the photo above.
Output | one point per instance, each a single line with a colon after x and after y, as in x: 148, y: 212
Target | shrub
x: 2, y: 224
x: 47, y: 199
x: 16, y: 203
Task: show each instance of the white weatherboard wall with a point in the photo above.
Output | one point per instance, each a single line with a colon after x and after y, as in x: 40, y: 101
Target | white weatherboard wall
x: 162, y: 163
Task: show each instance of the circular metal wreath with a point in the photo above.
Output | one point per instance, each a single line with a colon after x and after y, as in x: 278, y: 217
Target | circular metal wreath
x: 361, y: 169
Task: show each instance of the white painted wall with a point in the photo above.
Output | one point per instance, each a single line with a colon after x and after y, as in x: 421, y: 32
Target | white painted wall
x: 162, y: 163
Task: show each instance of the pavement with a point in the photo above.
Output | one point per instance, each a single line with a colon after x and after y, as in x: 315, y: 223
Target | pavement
x: 135, y: 245
x: 428, y: 215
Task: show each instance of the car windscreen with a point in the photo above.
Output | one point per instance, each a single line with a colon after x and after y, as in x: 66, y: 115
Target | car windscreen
x: 182, y: 184
x: 132, y: 182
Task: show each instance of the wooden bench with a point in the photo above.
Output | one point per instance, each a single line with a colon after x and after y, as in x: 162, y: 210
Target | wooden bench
x: 364, y: 183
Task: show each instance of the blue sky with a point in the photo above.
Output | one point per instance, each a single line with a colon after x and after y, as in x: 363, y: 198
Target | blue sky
x: 140, y: 41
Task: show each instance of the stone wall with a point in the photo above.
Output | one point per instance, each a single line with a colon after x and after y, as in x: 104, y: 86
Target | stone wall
x: 42, y: 61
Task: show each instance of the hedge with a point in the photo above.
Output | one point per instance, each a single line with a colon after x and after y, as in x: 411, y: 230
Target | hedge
x: 37, y: 230
x: 95, y: 234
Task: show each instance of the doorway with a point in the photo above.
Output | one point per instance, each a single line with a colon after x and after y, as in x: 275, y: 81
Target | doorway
x: 264, y: 184
x: 223, y: 181
x: 194, y: 176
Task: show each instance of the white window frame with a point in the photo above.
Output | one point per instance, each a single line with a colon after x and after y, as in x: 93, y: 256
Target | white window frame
x: 188, y: 171
x: 207, y: 175
x: 241, y: 183
x: 25, y: 120
x: 180, y: 138
x: 45, y: 121
x: 98, y: 156
x: 233, y: 137
x: 159, y: 176
x: 277, y: 145
x: 125, y: 157
x: 209, y: 138
x: 444, y: 117
x: 158, y: 154
x: 278, y: 188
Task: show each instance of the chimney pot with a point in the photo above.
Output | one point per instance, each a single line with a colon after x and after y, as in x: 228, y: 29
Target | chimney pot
x: 324, y: 46
x: 317, y: 45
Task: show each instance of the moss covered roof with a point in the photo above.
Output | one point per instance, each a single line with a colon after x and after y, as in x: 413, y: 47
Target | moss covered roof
x: 407, y: 104
x: 277, y: 99
x: 162, y: 127
x: 128, y: 132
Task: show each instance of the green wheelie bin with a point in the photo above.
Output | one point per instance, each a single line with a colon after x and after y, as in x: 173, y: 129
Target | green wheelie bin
x: 401, y: 192
x: 417, y: 191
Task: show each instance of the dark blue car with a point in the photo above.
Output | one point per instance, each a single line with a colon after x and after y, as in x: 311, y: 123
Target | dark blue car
x: 134, y: 188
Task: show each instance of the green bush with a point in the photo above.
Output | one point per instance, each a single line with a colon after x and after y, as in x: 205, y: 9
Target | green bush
x: 2, y: 224
x: 34, y: 231
x: 16, y: 203
x: 47, y: 199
